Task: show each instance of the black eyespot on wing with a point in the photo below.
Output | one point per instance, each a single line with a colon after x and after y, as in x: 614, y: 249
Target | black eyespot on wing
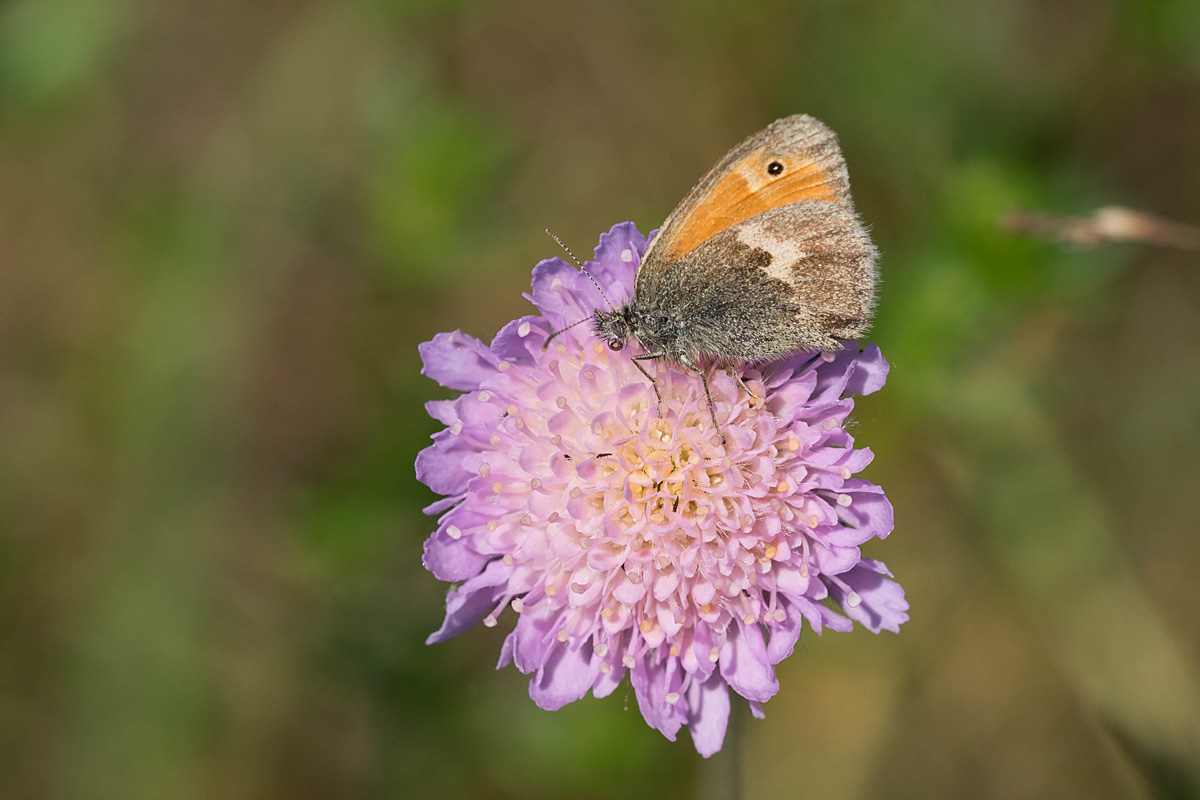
x: 775, y: 168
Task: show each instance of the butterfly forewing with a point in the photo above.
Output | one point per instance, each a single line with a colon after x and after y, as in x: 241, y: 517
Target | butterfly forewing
x: 744, y: 183
x: 765, y: 255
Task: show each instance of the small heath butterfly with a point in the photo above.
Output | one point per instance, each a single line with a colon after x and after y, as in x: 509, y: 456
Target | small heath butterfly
x: 764, y: 257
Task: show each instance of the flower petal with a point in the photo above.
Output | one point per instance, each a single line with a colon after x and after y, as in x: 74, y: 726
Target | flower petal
x: 535, y: 637
x: 445, y: 504
x: 451, y: 559
x: 868, y: 510
x: 521, y: 339
x: 470, y: 602
x: 745, y: 666
x: 785, y: 634
x: 821, y: 616
x: 457, y: 361
x: 870, y: 371
x: 617, y: 256
x: 442, y: 410
x: 708, y: 714
x: 882, y: 605
x: 652, y: 681
x: 439, y: 466
x: 564, y: 678
x: 553, y: 292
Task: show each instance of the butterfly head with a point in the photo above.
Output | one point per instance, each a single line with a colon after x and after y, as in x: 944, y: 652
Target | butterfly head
x: 613, y: 327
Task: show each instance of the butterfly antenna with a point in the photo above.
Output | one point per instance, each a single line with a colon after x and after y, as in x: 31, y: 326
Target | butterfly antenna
x: 554, y: 335
x: 582, y: 269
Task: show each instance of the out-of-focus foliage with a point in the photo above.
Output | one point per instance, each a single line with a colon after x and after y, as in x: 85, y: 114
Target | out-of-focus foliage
x: 225, y: 226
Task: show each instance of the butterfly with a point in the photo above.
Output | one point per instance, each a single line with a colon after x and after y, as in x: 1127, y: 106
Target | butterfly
x: 763, y: 258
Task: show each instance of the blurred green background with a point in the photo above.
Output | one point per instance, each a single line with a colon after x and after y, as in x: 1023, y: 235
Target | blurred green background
x: 226, y: 225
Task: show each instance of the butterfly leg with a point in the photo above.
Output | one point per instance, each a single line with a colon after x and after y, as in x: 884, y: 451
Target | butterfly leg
x: 737, y: 376
x: 649, y: 377
x: 712, y: 408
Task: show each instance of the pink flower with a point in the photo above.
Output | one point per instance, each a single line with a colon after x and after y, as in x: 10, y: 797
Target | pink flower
x: 625, y: 537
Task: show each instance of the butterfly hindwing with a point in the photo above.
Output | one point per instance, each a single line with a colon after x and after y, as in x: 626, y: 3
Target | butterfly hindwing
x: 792, y: 278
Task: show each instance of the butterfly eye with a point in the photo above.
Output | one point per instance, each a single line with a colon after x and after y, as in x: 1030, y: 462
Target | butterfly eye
x: 775, y: 168
x: 615, y: 345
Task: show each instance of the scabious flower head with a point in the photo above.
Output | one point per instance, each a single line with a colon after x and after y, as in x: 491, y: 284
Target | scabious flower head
x: 629, y: 537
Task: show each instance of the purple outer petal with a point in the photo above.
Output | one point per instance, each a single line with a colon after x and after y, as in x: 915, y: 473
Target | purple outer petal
x: 870, y: 512
x: 610, y: 269
x: 883, y: 606
x: 853, y: 370
x: 870, y: 371
x: 821, y: 616
x: 745, y: 666
x: 452, y: 559
x: 439, y: 466
x: 564, y: 678
x: 534, y: 638
x: 708, y: 714
x: 651, y: 684
x: 470, y: 602
x: 444, y: 504
x: 442, y: 410
x: 785, y: 634
x: 556, y: 305
x: 607, y: 682
x: 457, y: 361
x: 510, y: 345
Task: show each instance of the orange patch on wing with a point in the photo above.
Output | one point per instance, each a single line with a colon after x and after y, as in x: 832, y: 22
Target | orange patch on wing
x: 749, y: 190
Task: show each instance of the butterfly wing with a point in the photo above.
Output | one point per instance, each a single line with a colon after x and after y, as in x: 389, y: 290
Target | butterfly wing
x: 765, y: 255
x: 742, y: 184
